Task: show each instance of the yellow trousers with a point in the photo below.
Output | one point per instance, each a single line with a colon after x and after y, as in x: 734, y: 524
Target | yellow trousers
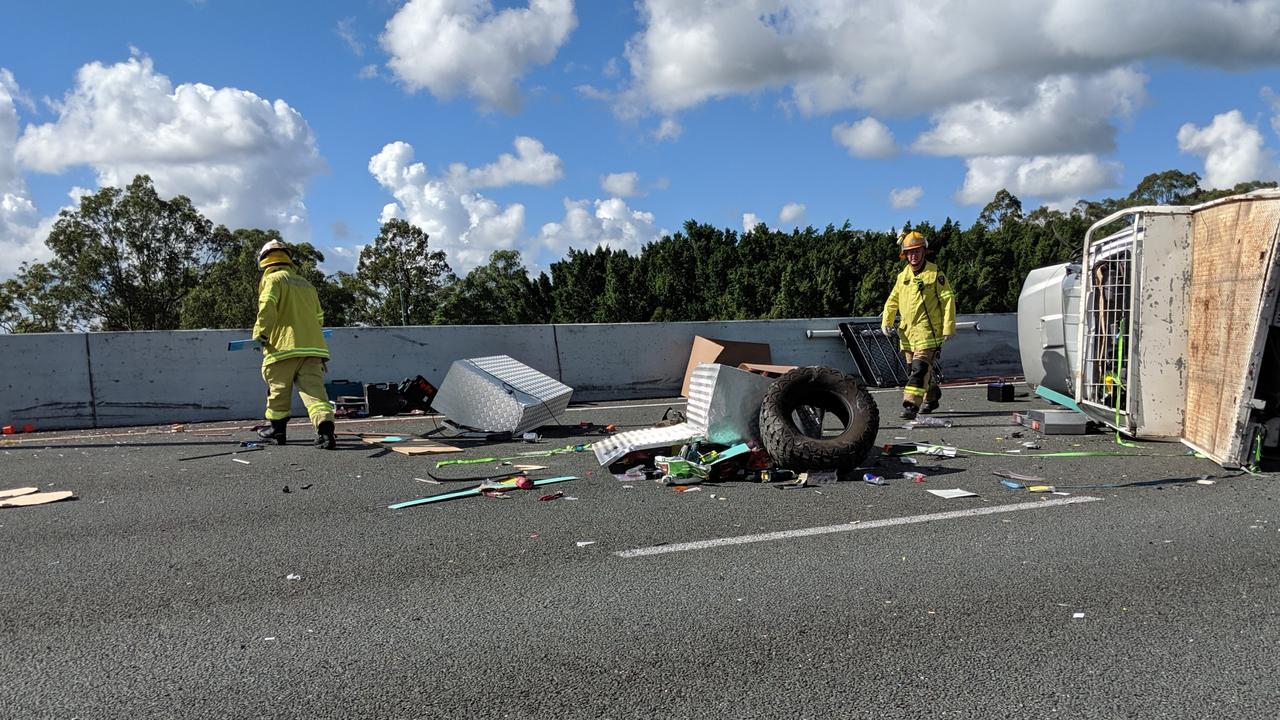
x: 307, y: 373
x: 920, y: 381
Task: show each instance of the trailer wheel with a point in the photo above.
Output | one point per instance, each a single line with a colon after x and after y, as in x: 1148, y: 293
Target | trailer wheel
x: 793, y: 446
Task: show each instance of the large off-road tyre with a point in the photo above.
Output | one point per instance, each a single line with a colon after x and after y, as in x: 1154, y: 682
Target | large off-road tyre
x: 825, y: 389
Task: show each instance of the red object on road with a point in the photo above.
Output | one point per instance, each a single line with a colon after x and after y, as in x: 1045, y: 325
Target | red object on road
x: 551, y: 496
x: 8, y: 429
x: 523, y: 482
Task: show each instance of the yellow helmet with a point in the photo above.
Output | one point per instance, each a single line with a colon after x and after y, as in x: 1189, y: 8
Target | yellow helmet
x: 910, y: 241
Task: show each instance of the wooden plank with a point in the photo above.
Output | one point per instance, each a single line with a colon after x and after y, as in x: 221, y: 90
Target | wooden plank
x: 1232, y: 256
x: 37, y: 499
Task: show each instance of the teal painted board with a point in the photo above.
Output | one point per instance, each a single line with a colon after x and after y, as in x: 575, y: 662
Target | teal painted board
x: 467, y: 492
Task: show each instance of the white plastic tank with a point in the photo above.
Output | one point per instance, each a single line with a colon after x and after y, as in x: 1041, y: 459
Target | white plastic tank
x: 1048, y: 326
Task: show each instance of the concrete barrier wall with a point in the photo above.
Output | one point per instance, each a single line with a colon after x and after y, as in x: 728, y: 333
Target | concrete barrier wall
x: 60, y: 381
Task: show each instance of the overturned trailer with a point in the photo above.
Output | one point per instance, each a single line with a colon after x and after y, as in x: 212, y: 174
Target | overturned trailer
x: 1167, y: 327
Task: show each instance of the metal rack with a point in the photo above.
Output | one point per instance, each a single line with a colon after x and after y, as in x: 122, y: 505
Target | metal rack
x: 877, y: 356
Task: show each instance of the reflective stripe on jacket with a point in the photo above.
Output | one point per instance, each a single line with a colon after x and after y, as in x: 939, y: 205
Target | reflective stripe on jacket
x: 290, y: 320
x: 926, y: 305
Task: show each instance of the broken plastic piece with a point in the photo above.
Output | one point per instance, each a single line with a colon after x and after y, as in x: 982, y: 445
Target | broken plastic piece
x: 1022, y: 479
x: 952, y: 493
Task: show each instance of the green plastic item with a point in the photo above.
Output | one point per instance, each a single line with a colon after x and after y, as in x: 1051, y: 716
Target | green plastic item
x: 468, y: 492
x: 583, y: 447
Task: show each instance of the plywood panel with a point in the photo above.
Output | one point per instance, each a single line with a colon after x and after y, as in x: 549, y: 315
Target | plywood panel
x: 1232, y: 257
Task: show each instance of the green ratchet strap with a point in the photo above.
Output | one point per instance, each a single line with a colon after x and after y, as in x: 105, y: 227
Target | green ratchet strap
x: 520, y: 456
x: 925, y: 450
x: 1119, y: 385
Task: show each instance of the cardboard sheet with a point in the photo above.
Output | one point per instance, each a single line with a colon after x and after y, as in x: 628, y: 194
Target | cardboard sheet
x: 725, y: 352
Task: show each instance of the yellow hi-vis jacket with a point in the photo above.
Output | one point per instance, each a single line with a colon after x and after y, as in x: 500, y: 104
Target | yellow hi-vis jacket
x: 926, y: 305
x: 290, y: 320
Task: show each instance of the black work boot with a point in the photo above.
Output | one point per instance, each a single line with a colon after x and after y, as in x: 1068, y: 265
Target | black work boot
x: 909, y: 411
x: 325, y: 439
x: 275, y: 432
x: 929, y: 407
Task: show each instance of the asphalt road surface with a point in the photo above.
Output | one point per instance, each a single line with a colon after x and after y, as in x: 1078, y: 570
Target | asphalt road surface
x: 201, y: 589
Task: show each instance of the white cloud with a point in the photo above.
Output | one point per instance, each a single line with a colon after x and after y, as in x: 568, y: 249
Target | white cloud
x: 1232, y: 149
x: 452, y: 47
x: 749, y: 222
x: 466, y: 225
x: 346, y: 30
x: 907, y: 197
x: 1062, y: 114
x: 1273, y: 99
x: 531, y: 165
x: 242, y: 160
x: 21, y: 231
x: 791, y: 213
x: 668, y: 129
x: 867, y: 138
x: 907, y: 56
x: 588, y: 224
x: 368, y: 72
x: 1031, y: 79
x: 1046, y: 176
x: 621, y: 184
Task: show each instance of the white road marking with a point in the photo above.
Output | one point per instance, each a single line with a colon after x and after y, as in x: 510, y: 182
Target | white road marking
x: 849, y: 527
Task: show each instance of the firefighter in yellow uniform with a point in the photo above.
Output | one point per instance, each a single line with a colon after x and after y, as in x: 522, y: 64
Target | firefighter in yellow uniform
x: 294, y: 352
x: 923, y: 301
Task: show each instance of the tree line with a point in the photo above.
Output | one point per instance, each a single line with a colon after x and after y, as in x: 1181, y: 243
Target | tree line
x: 128, y: 259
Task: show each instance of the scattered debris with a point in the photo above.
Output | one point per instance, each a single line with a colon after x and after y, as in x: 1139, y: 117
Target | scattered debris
x: 913, y: 477
x: 1077, y: 616
x: 424, y: 480
x: 551, y: 496
x: 686, y: 488
x: 287, y: 490
x: 242, y: 462
x: 584, y: 543
x: 1205, y: 481
x: 928, y: 422
x: 873, y: 479
x: 952, y: 493
x: 293, y: 577
x: 531, y: 437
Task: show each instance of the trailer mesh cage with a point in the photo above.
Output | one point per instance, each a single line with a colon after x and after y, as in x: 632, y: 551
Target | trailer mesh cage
x: 877, y: 355
x: 1107, y: 324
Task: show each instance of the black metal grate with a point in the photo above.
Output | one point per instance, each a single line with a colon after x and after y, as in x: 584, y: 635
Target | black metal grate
x: 877, y: 355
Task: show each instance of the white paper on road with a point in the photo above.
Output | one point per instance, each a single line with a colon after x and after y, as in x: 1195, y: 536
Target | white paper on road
x: 953, y: 493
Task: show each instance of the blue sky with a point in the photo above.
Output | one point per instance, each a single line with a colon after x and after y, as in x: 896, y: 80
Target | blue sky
x: 322, y: 119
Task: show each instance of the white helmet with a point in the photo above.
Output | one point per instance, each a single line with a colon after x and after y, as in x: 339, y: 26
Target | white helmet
x: 274, y: 245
